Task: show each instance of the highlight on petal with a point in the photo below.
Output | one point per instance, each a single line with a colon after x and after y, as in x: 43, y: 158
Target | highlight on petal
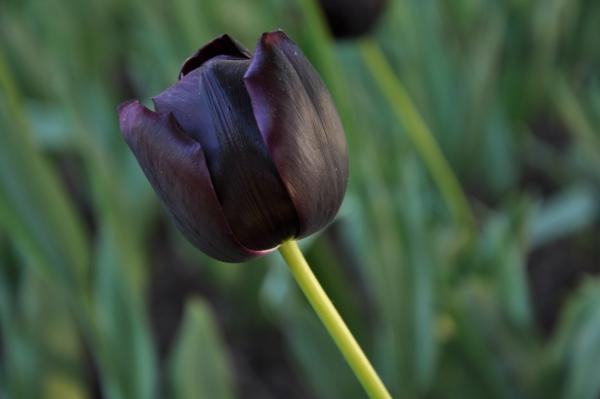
x: 176, y: 167
x: 212, y: 106
x: 222, y: 45
x: 300, y: 125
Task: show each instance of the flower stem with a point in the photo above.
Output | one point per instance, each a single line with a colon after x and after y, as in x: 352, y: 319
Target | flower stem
x: 332, y: 320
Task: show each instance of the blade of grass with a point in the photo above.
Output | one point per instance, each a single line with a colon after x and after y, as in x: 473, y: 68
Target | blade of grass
x: 574, y: 351
x: 34, y: 208
x: 198, y: 365
x: 571, y: 109
x: 408, y: 116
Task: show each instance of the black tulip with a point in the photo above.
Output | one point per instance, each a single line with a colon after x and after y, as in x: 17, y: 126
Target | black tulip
x: 244, y: 151
x: 352, y: 18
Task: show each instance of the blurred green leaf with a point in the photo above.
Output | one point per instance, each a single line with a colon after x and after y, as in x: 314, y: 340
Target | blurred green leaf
x: 422, y: 139
x: 199, y: 365
x: 123, y: 341
x: 315, y: 352
x: 500, y: 258
x: 569, y: 106
x: 575, y: 350
x: 20, y: 370
x: 33, y: 205
x: 57, y: 386
x: 416, y: 282
x: 564, y: 214
x: 319, y: 358
x: 49, y: 126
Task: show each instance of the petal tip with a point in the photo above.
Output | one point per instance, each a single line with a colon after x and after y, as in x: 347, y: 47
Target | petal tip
x: 126, y: 113
x: 130, y: 114
x: 124, y: 105
x: 274, y: 37
x: 265, y: 45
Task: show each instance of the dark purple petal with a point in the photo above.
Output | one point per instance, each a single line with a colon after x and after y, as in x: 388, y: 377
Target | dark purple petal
x: 212, y: 106
x: 298, y: 121
x: 222, y: 45
x: 175, y: 166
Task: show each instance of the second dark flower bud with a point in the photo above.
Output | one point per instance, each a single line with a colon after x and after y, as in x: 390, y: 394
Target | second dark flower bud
x: 352, y: 18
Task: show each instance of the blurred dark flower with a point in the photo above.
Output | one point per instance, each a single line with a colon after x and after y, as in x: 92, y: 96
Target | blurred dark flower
x: 352, y: 18
x: 244, y: 151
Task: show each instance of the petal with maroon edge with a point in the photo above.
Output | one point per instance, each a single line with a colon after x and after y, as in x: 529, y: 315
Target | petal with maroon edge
x: 300, y: 125
x: 175, y: 166
x: 222, y: 45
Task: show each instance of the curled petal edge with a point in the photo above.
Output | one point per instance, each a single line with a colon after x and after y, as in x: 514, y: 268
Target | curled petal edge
x: 156, y: 139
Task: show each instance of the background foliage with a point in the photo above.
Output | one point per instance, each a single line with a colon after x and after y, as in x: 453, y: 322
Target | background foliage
x: 465, y: 256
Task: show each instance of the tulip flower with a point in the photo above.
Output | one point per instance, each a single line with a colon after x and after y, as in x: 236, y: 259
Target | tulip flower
x: 244, y: 151
x: 247, y: 153
x: 352, y: 18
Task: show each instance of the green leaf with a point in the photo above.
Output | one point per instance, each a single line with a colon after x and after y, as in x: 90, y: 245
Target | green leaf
x: 198, y: 365
x: 319, y: 359
x: 20, y: 365
x: 34, y: 208
x: 123, y: 342
x: 500, y: 257
x: 563, y: 214
x: 575, y: 349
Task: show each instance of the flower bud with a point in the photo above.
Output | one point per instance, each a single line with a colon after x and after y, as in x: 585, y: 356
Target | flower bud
x: 244, y: 151
x: 351, y: 18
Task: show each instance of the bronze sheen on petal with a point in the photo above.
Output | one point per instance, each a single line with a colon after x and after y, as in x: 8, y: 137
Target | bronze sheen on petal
x: 245, y: 151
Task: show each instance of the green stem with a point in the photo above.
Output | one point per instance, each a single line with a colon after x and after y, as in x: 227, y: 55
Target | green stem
x: 407, y: 114
x: 332, y: 320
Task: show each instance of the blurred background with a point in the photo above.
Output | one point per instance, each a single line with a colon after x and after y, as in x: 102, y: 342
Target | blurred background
x: 465, y: 257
